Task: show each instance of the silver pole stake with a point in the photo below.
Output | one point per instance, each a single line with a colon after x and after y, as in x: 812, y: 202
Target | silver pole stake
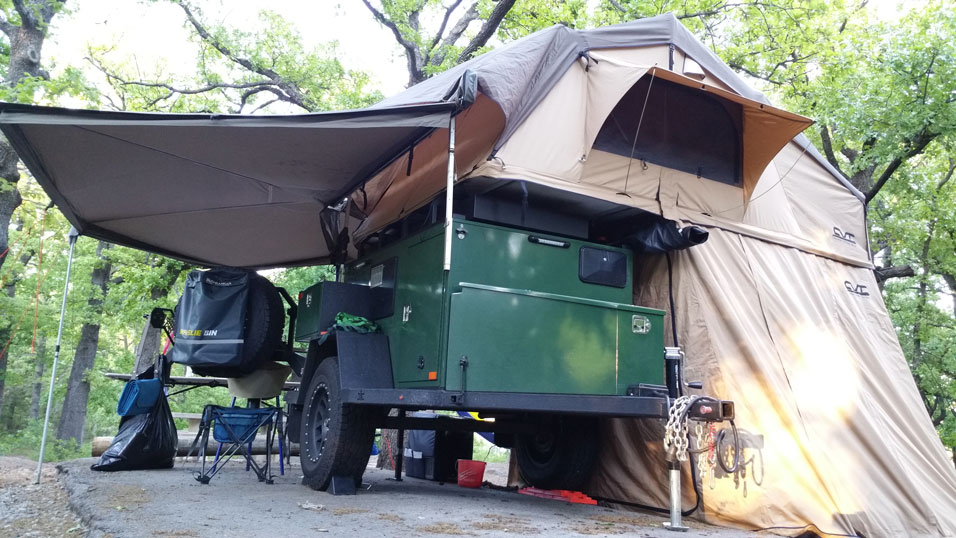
x: 449, y: 192
x: 56, y: 354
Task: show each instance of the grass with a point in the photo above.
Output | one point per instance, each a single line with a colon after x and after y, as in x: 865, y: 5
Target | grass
x: 487, y: 452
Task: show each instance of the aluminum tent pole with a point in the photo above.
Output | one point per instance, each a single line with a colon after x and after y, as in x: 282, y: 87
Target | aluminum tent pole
x: 56, y: 354
x: 449, y: 193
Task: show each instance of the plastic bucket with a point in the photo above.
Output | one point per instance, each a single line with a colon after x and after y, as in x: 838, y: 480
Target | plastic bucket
x: 471, y: 473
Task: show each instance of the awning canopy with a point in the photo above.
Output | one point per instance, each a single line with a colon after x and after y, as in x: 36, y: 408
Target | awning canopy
x: 243, y: 191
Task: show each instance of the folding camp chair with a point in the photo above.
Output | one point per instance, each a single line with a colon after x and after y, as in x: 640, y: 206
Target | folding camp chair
x: 235, y: 428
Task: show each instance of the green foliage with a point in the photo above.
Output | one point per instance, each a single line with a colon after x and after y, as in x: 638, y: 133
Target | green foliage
x: 26, y: 443
x: 297, y: 279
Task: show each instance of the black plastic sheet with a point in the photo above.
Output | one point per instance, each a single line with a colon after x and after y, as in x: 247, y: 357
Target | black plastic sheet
x: 146, y: 441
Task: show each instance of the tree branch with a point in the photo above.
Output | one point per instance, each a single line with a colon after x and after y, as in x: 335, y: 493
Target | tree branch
x: 897, y: 271
x: 292, y: 93
x: 766, y: 78
x: 456, y: 32
x: 27, y: 14
x: 116, y: 80
x: 949, y: 174
x: 441, y: 29
x: 412, y: 53
x: 828, y: 149
x: 917, y: 144
x: 8, y: 28
x: 487, y: 29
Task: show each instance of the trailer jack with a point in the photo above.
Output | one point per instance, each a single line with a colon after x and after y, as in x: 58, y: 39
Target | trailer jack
x: 683, y: 410
x: 675, y: 523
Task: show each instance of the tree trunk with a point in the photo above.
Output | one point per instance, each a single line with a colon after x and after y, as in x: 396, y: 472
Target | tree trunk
x: 147, y: 349
x: 73, y: 417
x: 38, y: 379
x: 150, y: 340
x: 26, y: 41
x: 6, y: 334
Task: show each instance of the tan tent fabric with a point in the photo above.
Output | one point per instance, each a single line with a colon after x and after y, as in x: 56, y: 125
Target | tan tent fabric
x: 817, y: 373
x: 409, y: 188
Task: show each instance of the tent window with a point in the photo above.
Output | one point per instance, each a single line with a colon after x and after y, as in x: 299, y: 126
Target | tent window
x: 683, y: 128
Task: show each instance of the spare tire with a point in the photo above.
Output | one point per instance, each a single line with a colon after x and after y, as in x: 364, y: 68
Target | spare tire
x: 562, y: 458
x: 264, y: 322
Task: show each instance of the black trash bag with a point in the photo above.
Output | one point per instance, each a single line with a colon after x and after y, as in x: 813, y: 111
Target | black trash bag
x: 146, y: 441
x: 658, y: 235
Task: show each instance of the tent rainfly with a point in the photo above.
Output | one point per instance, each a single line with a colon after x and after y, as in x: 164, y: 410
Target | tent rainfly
x: 778, y: 311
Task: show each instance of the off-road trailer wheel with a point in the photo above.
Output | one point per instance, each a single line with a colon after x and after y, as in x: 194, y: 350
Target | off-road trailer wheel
x: 562, y: 458
x: 335, y: 438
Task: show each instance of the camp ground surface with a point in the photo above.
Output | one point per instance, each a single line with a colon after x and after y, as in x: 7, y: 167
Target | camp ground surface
x: 77, y: 502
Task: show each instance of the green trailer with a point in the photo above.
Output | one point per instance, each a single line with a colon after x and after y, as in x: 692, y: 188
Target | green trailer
x: 482, y: 314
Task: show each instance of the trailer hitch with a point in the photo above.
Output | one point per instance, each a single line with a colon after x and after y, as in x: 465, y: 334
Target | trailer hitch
x: 684, y: 409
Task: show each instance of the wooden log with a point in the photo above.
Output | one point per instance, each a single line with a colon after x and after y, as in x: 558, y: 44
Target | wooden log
x: 100, y: 444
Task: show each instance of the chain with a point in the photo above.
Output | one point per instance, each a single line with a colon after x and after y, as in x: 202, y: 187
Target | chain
x: 675, y: 433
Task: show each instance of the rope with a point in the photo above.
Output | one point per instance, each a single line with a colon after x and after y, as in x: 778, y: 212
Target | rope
x: 24, y: 313
x: 24, y: 235
x: 640, y: 120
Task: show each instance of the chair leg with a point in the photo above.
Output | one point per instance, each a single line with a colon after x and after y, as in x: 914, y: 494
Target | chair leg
x: 280, y: 430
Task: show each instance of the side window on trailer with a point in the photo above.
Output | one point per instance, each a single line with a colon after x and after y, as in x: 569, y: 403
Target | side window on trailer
x: 604, y: 267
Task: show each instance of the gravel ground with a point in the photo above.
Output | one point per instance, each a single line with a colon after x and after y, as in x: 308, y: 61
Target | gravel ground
x: 171, y: 503
x: 31, y: 510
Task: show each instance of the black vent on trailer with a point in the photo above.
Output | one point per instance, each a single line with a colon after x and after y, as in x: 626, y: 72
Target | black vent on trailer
x: 604, y: 267
x: 683, y: 128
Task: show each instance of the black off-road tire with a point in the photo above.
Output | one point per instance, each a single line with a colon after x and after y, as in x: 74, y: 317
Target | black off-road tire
x: 562, y: 459
x: 265, y: 320
x: 335, y: 439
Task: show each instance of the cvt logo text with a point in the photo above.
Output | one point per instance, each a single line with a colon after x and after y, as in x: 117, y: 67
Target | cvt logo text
x: 856, y: 289
x: 844, y: 236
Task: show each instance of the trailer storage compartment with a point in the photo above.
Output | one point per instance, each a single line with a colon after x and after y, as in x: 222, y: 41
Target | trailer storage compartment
x: 526, y: 341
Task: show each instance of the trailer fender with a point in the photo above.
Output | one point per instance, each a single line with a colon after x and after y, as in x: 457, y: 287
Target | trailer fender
x: 364, y: 361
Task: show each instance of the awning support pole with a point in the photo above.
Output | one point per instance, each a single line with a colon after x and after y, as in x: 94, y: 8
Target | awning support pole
x: 56, y: 354
x: 449, y: 193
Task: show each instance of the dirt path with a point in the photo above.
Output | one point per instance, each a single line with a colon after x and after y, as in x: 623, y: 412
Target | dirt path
x: 31, y: 510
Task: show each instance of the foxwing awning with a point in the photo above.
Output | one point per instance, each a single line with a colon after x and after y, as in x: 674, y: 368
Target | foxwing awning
x: 242, y: 191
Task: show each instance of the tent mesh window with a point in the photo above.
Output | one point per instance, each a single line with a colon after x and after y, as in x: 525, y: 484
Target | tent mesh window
x: 683, y: 128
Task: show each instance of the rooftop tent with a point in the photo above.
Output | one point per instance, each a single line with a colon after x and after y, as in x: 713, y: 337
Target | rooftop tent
x: 778, y: 311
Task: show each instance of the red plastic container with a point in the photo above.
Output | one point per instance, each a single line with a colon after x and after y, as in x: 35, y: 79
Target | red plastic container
x: 471, y: 473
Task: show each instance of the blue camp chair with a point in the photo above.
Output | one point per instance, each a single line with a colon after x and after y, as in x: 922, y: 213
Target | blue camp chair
x: 235, y: 428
